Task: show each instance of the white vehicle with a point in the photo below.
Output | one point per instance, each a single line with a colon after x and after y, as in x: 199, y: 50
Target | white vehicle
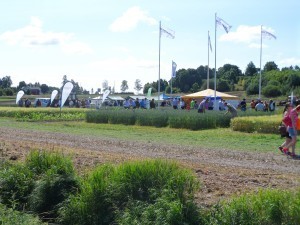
x: 43, y: 102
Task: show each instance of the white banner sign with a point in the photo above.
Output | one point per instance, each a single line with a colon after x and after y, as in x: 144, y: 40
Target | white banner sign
x: 53, y: 95
x: 19, y: 96
x: 105, y: 94
x: 65, y: 93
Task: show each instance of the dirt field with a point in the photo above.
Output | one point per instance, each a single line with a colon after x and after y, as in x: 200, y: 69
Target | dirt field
x: 222, y: 172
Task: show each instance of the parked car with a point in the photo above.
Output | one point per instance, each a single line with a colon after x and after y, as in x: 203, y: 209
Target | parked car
x: 41, y: 102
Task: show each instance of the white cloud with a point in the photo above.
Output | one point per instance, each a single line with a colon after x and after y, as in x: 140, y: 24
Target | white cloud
x: 249, y: 35
x: 289, y: 62
x: 130, y: 19
x: 76, y: 48
x: 33, y: 35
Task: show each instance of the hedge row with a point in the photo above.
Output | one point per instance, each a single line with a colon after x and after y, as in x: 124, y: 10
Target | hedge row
x: 160, y: 118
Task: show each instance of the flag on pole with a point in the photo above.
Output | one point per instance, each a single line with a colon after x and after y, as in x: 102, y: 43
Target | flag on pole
x: 174, y: 65
x: 53, y: 95
x: 19, y: 96
x: 267, y: 34
x: 65, y: 93
x: 149, y: 93
x: 223, y: 23
x: 209, y: 42
x: 105, y: 94
x: 169, y: 33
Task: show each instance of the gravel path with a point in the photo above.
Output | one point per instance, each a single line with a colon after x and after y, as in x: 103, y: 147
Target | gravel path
x: 222, y: 172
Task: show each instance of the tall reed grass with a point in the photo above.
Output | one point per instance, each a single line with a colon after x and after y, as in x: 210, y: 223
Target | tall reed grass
x: 111, y: 191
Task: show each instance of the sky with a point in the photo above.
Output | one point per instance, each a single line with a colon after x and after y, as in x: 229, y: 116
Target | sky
x: 95, y: 40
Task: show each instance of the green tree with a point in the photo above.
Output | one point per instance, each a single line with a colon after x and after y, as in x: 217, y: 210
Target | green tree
x: 6, y: 82
x: 104, y: 85
x: 251, y: 69
x: 270, y: 66
x: 21, y: 85
x: 44, y: 88
x: 138, y: 85
x: 124, y: 85
x: 229, y: 72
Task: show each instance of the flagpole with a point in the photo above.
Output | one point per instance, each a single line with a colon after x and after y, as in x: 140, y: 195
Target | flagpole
x: 208, y: 61
x: 259, y: 91
x: 215, y: 78
x: 171, y: 77
x: 158, y: 89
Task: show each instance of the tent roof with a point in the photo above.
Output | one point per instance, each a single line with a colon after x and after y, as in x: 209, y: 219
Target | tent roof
x: 209, y: 93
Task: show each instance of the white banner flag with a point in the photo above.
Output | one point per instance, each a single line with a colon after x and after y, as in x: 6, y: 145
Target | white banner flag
x: 267, y: 34
x: 105, y: 94
x: 65, y: 93
x: 223, y: 23
x: 149, y: 93
x: 209, y: 42
x: 174, y: 65
x: 19, y: 96
x: 53, y: 95
x: 169, y: 33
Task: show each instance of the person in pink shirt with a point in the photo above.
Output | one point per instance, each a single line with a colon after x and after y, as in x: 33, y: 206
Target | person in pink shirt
x: 292, y: 129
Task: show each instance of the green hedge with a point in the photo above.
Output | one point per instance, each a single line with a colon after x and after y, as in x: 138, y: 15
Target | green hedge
x: 259, y: 124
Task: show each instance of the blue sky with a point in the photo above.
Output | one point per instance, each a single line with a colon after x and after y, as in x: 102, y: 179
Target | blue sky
x: 95, y: 40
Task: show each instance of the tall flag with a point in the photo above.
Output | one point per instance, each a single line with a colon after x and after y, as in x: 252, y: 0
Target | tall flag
x: 53, y: 95
x: 149, y: 93
x: 223, y: 23
x: 267, y: 34
x: 174, y: 65
x: 19, y: 96
x: 263, y: 33
x: 65, y: 93
x: 105, y: 94
x: 169, y: 33
x: 209, y: 42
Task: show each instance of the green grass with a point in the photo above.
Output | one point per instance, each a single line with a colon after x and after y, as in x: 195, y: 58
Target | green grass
x: 221, y: 138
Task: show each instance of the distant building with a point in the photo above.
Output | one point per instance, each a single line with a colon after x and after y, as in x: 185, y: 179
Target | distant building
x: 35, y: 90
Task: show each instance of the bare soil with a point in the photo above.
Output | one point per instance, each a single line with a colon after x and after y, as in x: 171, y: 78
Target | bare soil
x: 222, y: 172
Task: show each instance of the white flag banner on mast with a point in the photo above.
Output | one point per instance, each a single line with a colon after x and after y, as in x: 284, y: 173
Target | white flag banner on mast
x: 65, y: 93
x: 174, y: 66
x: 105, y: 94
x: 19, y: 96
x: 267, y: 34
x: 53, y: 95
x: 209, y: 42
x: 168, y: 32
x: 223, y: 23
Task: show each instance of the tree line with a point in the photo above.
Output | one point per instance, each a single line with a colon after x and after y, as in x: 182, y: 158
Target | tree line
x: 275, y: 82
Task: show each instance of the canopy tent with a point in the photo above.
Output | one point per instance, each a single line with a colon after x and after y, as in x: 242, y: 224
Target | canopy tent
x: 209, y: 93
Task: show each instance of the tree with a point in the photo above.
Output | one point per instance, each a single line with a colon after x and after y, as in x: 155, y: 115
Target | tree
x: 44, y: 88
x: 251, y: 69
x: 21, y: 85
x: 270, y: 66
x: 138, y: 85
x: 124, y: 85
x: 104, y: 85
x: 229, y: 72
x: 6, y: 82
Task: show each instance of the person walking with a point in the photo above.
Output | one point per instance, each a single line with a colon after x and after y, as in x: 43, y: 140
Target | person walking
x: 292, y: 129
x: 286, y: 121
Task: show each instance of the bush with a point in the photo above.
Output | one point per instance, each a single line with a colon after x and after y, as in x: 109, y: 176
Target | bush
x: 262, y: 208
x: 113, y: 193
x: 9, y: 216
x: 271, y: 91
x: 16, y: 184
x: 259, y: 124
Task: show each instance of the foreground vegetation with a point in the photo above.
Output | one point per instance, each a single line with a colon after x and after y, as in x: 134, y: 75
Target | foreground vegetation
x: 142, y: 192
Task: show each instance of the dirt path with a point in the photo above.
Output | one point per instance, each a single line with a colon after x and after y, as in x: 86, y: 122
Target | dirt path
x: 222, y: 172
